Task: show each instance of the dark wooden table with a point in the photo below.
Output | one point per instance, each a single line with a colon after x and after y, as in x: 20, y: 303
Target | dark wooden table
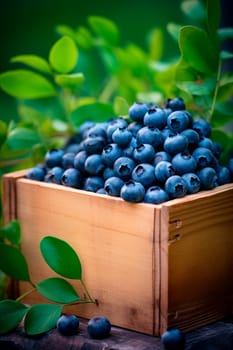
x: 217, y: 336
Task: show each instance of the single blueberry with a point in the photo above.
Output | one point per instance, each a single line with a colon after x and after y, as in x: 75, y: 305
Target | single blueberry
x: 193, y: 138
x: 108, y: 172
x: 72, y: 178
x: 155, y: 117
x: 68, y: 324
x: 94, y: 164
x: 208, y: 178
x: 110, y: 153
x: 36, y: 173
x: 175, y: 187
x: 206, y: 142
x: 123, y: 167
x: 93, y: 183
x: 79, y: 160
x: 115, y: 124
x: 93, y: 145
x: 178, y: 121
x: 155, y: 195
x: 113, y: 186
x: 204, y: 157
x: 217, y: 149
x: 174, y: 144
x: 98, y: 130
x: 85, y: 127
x: 134, y: 127
x: 163, y: 170
x: 98, y: 327
x: 193, y: 182
x: 54, y: 175
x: 144, y: 153
x: 122, y: 136
x: 202, y: 126
x: 223, y: 175
x: 137, y: 111
x: 175, y: 104
x: 132, y: 191
x: 161, y: 155
x: 68, y: 160
x: 151, y: 135
x: 53, y: 157
x: 184, y: 163
x: 145, y: 174
x: 173, y: 339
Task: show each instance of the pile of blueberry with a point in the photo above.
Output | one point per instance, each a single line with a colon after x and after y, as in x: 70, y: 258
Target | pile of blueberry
x: 157, y: 154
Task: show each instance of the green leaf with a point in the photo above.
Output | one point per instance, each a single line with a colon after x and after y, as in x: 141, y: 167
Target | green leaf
x: 61, y: 257
x: 84, y: 38
x: 104, y: 28
x: 121, y: 106
x: 33, y: 61
x: 96, y: 111
x: 26, y: 84
x: 194, y: 9
x: 11, y: 232
x: 70, y: 81
x: 222, y: 114
x: 11, y: 313
x: 197, y: 50
x: 13, y: 263
x: 3, y: 132
x: 213, y: 17
x: 197, y: 87
x: 22, y: 138
x: 225, y: 90
x: 63, y: 55
x: 65, y: 30
x: 58, y: 290
x: 40, y: 318
x: 155, y: 43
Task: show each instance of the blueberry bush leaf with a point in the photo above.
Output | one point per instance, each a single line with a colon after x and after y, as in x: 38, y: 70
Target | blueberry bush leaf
x: 41, y: 318
x: 11, y: 232
x: 63, y: 55
x: 33, y: 61
x: 13, y: 263
x: 24, y: 84
x: 11, y: 313
x: 58, y: 290
x: 61, y: 257
x: 70, y: 81
x: 22, y: 138
x: 105, y: 29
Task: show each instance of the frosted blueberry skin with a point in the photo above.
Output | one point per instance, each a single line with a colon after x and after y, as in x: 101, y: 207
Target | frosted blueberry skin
x: 174, y: 144
x: 173, y: 339
x: 68, y: 324
x: 137, y: 111
x: 144, y: 153
x: 155, y: 195
x: 98, y: 327
x: 193, y: 182
x: 202, y: 127
x: 113, y: 186
x: 175, y: 187
x: 123, y: 167
x: 208, y: 178
x: 163, y: 170
x: 132, y: 191
x: 145, y: 174
x: 72, y: 178
x: 178, y: 121
x: 184, y: 163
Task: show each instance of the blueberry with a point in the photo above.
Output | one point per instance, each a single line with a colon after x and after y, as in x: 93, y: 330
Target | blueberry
x: 175, y: 187
x: 193, y: 138
x: 113, y: 125
x: 184, y: 163
x: 174, y: 144
x: 113, y: 186
x: 163, y: 170
x: 87, y: 125
x: 68, y: 324
x: 108, y: 172
x: 144, y: 153
x: 98, y: 130
x: 54, y: 175
x: 223, y: 175
x: 71, y: 178
x: 204, y: 157
x: 166, y: 132
x: 178, y: 121
x: 68, y: 160
x: 36, y: 173
x: 79, y: 160
x: 110, y: 153
x: 230, y: 167
x: 98, y: 327
x: 151, y: 135
x: 193, y: 182
x: 175, y: 104
x: 161, y: 155
x: 137, y: 111
x: 145, y: 174
x: 173, y: 339
x: 94, y: 164
x: 217, y: 149
x: 155, y: 117
x: 155, y: 195
x: 134, y: 127
x: 132, y: 191
x: 202, y: 127
x: 93, y: 145
x: 208, y: 178
x: 122, y: 136
x: 123, y: 167
x: 93, y: 183
x: 206, y: 142
x: 101, y: 191
x: 53, y: 157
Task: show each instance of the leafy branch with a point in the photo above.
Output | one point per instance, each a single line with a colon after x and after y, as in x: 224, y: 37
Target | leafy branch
x: 63, y: 260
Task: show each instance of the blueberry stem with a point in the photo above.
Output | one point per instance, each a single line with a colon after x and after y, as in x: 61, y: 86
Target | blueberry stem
x: 87, y: 293
x: 24, y: 295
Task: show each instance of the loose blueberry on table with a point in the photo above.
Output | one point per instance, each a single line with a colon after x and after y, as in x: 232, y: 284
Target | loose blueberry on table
x: 68, y: 324
x: 156, y: 154
x: 98, y: 327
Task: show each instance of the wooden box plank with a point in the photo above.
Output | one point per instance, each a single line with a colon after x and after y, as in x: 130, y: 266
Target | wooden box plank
x: 149, y: 266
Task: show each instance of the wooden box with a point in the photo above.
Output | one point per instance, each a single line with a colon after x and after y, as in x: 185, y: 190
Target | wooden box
x: 149, y: 266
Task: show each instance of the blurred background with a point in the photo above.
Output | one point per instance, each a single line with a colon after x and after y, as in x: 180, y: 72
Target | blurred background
x: 28, y: 27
